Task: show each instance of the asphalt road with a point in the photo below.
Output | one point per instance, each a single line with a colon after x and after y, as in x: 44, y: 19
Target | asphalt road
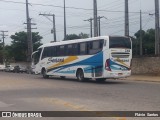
x: 24, y: 92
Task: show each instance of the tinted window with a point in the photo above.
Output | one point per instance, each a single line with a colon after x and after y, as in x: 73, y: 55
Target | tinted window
x: 119, y: 42
x: 75, y: 49
x: 37, y: 56
x: 95, y: 46
x: 53, y: 51
x: 82, y: 48
x: 61, y: 50
x: 70, y: 49
x: 38, y: 53
x: 48, y: 52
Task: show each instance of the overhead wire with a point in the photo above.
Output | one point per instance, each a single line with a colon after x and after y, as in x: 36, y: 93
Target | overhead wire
x: 76, y: 8
x: 72, y: 14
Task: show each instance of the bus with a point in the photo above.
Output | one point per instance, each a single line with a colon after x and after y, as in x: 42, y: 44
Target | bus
x: 99, y: 58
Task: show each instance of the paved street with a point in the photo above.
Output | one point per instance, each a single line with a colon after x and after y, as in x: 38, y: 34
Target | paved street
x: 24, y: 92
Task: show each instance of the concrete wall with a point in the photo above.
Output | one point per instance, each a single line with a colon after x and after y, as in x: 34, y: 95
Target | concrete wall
x: 146, y: 65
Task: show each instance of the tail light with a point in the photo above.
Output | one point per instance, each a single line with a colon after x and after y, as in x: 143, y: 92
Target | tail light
x: 107, y: 65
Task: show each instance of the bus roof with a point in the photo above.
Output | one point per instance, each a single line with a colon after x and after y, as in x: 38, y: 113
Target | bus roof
x: 74, y: 41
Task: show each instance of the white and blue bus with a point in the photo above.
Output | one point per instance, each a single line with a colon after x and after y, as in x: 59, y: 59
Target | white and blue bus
x: 92, y: 58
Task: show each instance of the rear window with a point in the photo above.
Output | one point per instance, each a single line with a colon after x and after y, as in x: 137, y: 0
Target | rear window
x: 119, y: 42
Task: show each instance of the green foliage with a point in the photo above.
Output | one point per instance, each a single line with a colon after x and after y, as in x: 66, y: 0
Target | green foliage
x: 83, y: 35
x: 18, y: 48
x: 8, y: 53
x: 1, y: 53
x: 74, y: 36
x: 148, y: 42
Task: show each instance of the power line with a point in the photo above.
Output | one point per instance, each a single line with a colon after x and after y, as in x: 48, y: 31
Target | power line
x: 76, y: 8
x: 99, y: 24
x: 90, y: 20
x: 104, y: 5
x: 54, y: 25
x: 113, y: 6
x: 117, y: 32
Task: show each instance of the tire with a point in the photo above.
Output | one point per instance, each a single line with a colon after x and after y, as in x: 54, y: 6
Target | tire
x: 100, y: 80
x: 44, y: 74
x: 80, y: 75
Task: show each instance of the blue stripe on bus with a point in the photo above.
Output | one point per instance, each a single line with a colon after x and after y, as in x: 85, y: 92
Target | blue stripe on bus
x: 94, y: 61
x: 116, y: 66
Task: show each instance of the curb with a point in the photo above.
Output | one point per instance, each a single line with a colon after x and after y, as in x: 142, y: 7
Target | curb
x: 144, y: 78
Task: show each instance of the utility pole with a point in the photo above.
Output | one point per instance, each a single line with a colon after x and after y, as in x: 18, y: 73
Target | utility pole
x: 126, y: 19
x: 99, y: 24
x: 54, y: 25
x: 65, y: 20
x: 141, y: 49
x: 3, y: 36
x: 29, y: 34
x: 95, y: 18
x: 90, y: 20
x: 157, y: 41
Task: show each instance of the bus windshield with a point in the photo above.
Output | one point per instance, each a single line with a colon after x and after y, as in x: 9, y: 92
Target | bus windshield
x: 119, y: 42
x: 36, y: 56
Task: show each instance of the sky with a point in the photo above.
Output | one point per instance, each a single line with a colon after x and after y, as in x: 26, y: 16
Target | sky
x: 13, y: 16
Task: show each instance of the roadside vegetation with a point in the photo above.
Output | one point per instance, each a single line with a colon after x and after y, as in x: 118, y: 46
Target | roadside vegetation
x: 17, y: 50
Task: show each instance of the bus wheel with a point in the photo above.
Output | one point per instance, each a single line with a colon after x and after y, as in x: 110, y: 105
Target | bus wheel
x: 80, y: 75
x: 44, y: 73
x: 100, y: 80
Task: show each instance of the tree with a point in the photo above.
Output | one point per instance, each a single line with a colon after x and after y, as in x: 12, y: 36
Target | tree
x: 74, y: 36
x: 83, y: 35
x: 1, y: 52
x: 19, y: 45
x: 148, y: 40
x: 136, y: 42
x: 8, y: 53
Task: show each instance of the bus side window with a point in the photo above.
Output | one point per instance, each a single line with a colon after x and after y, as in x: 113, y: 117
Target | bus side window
x: 57, y: 51
x: 61, y: 50
x: 53, y: 51
x: 83, y: 48
x: 95, y: 46
x: 75, y: 49
x: 89, y: 47
x: 65, y: 50
x: 49, y: 52
x: 70, y: 49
